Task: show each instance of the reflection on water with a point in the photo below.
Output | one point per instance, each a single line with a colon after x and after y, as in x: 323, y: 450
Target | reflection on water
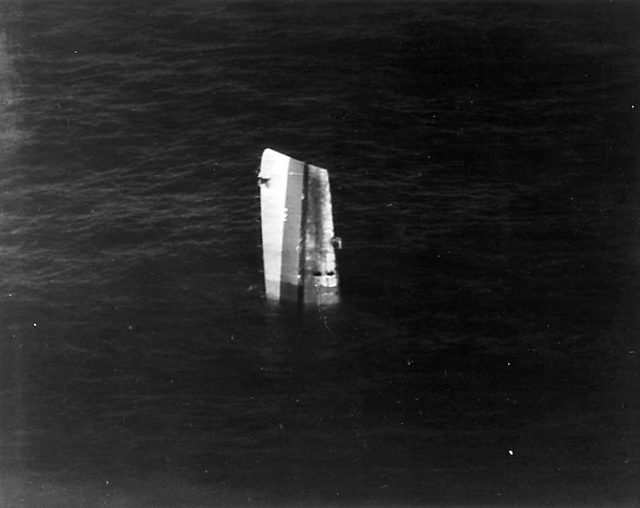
x: 8, y: 132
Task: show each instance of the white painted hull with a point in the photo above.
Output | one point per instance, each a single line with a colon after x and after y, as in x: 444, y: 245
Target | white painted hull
x: 297, y: 231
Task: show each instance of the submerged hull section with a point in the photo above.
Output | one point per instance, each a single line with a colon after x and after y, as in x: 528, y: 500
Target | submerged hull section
x: 297, y: 231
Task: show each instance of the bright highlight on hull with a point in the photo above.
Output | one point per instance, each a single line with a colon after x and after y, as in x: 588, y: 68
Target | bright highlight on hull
x: 298, y: 242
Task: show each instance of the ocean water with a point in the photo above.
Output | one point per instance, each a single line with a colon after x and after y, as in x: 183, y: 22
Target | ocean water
x: 484, y: 167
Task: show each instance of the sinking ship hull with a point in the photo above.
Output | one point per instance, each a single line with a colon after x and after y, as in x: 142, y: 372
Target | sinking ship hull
x: 297, y: 231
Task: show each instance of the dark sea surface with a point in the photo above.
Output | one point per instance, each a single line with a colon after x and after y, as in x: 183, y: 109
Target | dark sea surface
x: 484, y: 159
